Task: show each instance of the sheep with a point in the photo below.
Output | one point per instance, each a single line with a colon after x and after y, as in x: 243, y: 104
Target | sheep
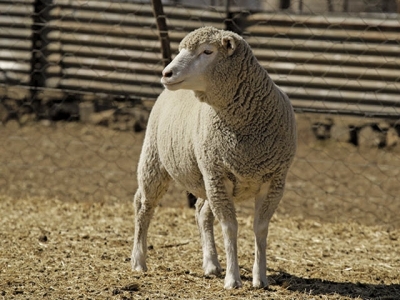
x: 225, y: 132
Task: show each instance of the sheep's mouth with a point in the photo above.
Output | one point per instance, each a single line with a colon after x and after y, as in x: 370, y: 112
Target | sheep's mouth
x: 172, y: 85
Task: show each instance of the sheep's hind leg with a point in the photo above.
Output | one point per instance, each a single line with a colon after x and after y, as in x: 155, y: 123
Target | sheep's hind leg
x: 205, y: 222
x: 266, y: 203
x: 148, y: 194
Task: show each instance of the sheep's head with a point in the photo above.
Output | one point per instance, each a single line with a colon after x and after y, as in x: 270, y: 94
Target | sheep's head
x: 200, y: 54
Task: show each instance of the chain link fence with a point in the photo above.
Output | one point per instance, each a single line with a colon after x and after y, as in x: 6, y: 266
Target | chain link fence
x: 78, y: 79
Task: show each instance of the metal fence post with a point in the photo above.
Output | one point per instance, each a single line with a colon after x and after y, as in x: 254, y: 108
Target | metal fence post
x: 162, y: 31
x: 39, y: 45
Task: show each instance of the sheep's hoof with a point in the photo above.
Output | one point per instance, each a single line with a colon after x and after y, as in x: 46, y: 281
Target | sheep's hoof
x: 231, y: 283
x: 260, y: 283
x: 212, y: 269
x: 136, y: 266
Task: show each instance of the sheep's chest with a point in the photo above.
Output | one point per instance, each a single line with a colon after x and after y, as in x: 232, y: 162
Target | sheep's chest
x: 249, y: 154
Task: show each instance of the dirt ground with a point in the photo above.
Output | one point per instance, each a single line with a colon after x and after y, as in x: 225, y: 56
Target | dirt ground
x: 66, y: 222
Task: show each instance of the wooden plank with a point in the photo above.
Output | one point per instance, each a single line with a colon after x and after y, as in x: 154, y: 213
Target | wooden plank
x: 326, y: 33
x: 112, y: 53
x: 326, y: 58
x: 13, y: 77
x: 336, y: 83
x: 15, y: 44
x: 16, y: 9
x: 306, y: 44
x: 344, y: 20
x: 18, y: 66
x: 81, y: 85
x: 11, y: 54
x: 105, y: 5
x: 330, y: 70
x: 15, y: 21
x: 369, y: 111
x: 342, y: 96
x: 70, y: 26
x: 81, y: 15
x: 12, y: 32
x: 94, y: 17
x: 109, y: 64
x: 20, y: 2
x: 116, y: 76
x: 104, y: 40
x: 140, y: 8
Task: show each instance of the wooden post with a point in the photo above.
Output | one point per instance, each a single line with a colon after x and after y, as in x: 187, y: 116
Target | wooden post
x: 162, y: 31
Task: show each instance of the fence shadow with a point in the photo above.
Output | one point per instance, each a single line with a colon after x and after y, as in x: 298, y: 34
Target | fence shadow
x: 326, y: 287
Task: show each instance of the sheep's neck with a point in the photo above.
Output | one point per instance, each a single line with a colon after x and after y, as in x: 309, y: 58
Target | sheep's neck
x: 247, y: 103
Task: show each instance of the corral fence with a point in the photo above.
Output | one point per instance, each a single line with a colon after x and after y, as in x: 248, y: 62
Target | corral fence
x: 57, y: 53
x: 100, y: 60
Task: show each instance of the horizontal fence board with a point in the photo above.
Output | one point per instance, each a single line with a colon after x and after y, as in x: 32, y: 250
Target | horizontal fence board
x: 326, y: 33
x: 336, y: 83
x: 16, y: 55
x: 331, y: 70
x: 16, y: 21
x: 122, y: 54
x: 109, y: 64
x: 104, y: 40
x: 342, y: 96
x: 348, y: 47
x: 12, y: 32
x: 14, y: 77
x: 123, y: 89
x: 125, y: 31
x: 344, y: 21
x: 18, y: 66
x: 16, y: 8
x: 112, y: 77
x: 16, y: 44
x: 365, y: 110
x: 327, y: 58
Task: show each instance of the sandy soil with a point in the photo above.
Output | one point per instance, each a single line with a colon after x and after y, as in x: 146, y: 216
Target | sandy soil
x: 66, y: 222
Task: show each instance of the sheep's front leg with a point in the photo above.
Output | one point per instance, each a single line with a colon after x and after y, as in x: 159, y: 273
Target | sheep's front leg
x: 205, y: 222
x: 267, y: 201
x: 224, y: 210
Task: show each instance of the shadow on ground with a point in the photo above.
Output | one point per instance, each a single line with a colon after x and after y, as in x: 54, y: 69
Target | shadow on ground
x: 315, y: 286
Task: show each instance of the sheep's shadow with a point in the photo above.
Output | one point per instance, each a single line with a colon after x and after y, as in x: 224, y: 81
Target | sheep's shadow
x: 326, y: 287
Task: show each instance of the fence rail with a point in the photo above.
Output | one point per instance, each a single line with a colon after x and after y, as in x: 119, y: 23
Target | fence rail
x: 327, y: 64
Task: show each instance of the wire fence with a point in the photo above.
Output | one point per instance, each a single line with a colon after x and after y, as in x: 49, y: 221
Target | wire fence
x: 99, y: 62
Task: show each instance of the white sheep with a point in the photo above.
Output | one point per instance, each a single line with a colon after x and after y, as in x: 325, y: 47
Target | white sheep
x: 225, y: 132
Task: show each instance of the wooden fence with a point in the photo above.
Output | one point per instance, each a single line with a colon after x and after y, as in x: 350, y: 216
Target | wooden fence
x: 16, y: 38
x: 327, y: 64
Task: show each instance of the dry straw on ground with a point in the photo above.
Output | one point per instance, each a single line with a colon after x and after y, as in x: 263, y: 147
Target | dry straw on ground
x: 80, y: 250
x: 66, y: 223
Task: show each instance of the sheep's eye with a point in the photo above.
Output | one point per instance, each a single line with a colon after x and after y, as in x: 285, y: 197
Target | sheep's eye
x: 207, y: 52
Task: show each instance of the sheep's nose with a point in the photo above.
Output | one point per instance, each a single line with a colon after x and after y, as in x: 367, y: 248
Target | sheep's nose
x: 167, y: 73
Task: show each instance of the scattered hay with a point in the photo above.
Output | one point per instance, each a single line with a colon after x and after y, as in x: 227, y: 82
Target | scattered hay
x: 81, y: 250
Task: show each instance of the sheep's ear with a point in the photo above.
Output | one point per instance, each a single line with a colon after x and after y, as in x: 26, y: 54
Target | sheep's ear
x: 229, y: 44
